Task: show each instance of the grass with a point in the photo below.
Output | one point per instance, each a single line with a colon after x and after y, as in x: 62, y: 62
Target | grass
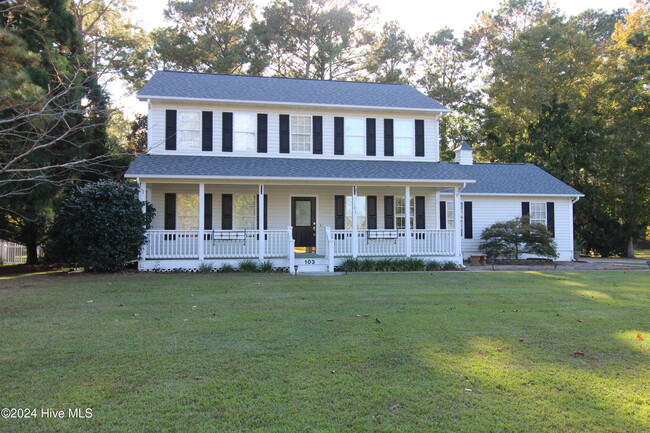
x: 280, y: 353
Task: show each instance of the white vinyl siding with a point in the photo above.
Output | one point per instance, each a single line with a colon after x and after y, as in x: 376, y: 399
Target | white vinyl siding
x: 404, y: 137
x: 355, y: 136
x: 301, y: 133
x: 188, y: 130
x: 244, y: 132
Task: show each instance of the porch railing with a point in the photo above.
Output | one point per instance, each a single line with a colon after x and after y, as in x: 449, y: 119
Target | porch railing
x: 12, y: 253
x: 181, y: 244
x: 376, y: 243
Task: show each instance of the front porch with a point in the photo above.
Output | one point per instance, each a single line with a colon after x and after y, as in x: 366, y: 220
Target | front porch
x: 281, y: 222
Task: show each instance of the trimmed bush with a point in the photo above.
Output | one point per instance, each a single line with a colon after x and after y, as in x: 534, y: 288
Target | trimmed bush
x: 206, y: 267
x: 433, y: 266
x: 226, y: 267
x: 248, y: 266
x: 450, y: 266
x: 100, y: 227
x: 518, y: 236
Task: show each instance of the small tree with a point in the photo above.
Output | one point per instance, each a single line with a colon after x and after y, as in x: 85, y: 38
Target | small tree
x: 100, y: 226
x: 518, y: 236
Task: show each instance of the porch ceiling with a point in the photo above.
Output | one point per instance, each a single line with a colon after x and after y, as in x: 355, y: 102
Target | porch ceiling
x: 290, y: 170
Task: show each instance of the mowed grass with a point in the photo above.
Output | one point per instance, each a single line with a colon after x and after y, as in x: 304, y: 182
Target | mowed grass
x: 280, y: 353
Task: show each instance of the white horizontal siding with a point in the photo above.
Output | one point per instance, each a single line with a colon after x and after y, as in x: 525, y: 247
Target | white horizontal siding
x: 156, y: 125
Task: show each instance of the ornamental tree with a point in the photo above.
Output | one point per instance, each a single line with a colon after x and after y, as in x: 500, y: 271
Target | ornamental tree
x: 518, y: 236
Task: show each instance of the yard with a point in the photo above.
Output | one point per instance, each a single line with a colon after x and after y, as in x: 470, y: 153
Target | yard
x: 422, y: 352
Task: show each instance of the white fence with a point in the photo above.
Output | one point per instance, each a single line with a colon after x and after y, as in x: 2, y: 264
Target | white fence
x: 182, y: 244
x: 377, y: 243
x: 12, y: 253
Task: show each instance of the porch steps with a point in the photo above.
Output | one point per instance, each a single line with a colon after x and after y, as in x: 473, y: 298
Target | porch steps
x: 310, y: 263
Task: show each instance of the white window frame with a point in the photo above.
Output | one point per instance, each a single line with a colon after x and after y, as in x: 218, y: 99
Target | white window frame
x: 397, y: 149
x: 348, y: 136
x: 291, y: 133
x: 237, y: 132
x: 195, y: 131
x: 536, y: 213
x: 450, y: 216
x: 399, y: 211
x: 186, y: 217
x: 362, y: 212
x: 239, y: 218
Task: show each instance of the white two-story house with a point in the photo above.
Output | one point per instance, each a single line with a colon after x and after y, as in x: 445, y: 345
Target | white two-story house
x: 307, y: 173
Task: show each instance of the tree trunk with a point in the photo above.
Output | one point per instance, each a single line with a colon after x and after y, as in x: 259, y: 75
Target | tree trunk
x: 630, y: 247
x: 32, y: 253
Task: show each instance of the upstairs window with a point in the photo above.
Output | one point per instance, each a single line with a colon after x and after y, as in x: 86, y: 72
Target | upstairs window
x: 245, y: 132
x: 538, y: 213
x: 361, y: 212
x: 355, y: 136
x: 301, y: 133
x: 187, y: 211
x: 404, y: 137
x: 245, y: 212
x: 400, y: 213
x: 189, y: 130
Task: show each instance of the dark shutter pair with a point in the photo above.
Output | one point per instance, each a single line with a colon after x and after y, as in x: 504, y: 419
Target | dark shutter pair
x: 468, y: 223
x: 389, y: 137
x: 227, y: 132
x: 170, y: 211
x: 389, y: 212
x: 171, y: 128
x: 550, y: 214
x: 339, y: 136
x: 227, y: 212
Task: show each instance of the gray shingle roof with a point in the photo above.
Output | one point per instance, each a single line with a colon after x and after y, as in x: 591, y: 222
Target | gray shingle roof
x: 490, y: 178
x: 285, y: 90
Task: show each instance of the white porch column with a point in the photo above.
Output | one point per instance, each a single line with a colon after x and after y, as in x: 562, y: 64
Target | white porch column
x: 260, y: 223
x: 201, y: 237
x: 355, y: 230
x: 457, y: 237
x: 407, y: 212
x: 142, y: 196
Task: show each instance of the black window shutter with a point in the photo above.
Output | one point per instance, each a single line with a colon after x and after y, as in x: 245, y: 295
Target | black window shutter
x: 550, y: 217
x: 339, y: 212
x: 266, y: 212
x: 284, y: 133
x: 206, y: 131
x: 419, y: 138
x: 226, y: 212
x: 317, y: 123
x: 525, y: 208
x: 388, y: 137
x: 371, y: 137
x: 338, y: 136
x: 420, y: 221
x: 371, y: 203
x: 467, y: 215
x: 207, y: 212
x: 389, y: 212
x: 262, y: 132
x: 443, y: 215
x: 170, y: 211
x: 226, y: 132
x: 170, y: 129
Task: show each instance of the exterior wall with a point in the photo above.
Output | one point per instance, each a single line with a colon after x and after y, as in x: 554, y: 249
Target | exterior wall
x: 488, y: 210
x: 279, y: 203
x: 156, y: 135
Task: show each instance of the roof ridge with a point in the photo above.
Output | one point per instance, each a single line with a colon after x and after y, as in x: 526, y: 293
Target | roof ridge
x: 280, y: 78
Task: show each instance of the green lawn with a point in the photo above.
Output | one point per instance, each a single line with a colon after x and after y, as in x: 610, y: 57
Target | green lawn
x: 279, y: 353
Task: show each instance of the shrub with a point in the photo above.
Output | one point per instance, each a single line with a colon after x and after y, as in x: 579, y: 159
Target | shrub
x: 100, y: 226
x: 248, y: 266
x: 266, y: 266
x: 385, y: 265
x: 518, y: 236
x: 368, y: 265
x: 449, y: 266
x: 411, y: 264
x: 226, y: 267
x: 351, y: 265
x: 433, y: 266
x: 206, y: 267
